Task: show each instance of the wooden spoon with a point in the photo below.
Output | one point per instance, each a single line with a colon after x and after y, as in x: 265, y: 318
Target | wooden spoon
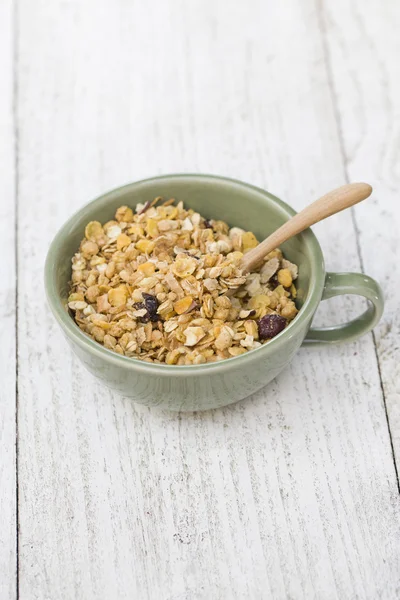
x: 324, y: 207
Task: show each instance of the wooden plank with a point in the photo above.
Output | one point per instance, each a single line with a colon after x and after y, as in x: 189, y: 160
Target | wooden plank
x: 291, y: 494
x: 363, y: 46
x: 8, y: 534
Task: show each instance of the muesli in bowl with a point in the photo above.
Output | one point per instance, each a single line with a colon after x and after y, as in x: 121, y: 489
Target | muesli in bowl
x: 164, y: 284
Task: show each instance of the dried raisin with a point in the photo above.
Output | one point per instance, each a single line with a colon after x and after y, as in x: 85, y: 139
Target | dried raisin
x: 151, y: 305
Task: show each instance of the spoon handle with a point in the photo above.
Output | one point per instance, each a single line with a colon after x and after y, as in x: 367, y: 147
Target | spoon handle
x: 333, y: 202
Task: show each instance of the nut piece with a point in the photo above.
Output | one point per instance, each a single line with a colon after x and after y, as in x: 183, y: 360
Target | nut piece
x: 92, y: 293
x: 243, y: 314
x: 89, y: 249
x: 269, y: 269
x: 193, y: 335
x: 103, y: 304
x: 225, y: 338
x: 98, y: 334
x: 289, y: 311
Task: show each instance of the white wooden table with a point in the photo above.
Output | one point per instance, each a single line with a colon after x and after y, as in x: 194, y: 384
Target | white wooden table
x: 293, y: 493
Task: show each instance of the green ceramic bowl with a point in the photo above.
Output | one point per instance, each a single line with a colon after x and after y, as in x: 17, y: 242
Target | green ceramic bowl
x: 201, y: 387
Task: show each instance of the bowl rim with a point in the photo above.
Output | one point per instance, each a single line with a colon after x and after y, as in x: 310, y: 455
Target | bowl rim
x: 86, y: 343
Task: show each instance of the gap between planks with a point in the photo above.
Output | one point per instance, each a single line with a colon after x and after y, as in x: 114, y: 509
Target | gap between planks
x: 342, y: 148
x: 15, y: 91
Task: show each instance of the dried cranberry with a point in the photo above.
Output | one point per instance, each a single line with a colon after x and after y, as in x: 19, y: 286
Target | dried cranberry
x: 270, y: 325
x: 207, y: 224
x: 151, y: 304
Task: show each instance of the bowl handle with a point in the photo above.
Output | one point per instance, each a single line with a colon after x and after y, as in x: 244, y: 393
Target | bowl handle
x: 337, y: 284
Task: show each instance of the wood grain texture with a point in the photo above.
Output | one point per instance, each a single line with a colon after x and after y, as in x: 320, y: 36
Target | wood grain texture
x: 7, y: 311
x: 290, y: 494
x: 363, y: 47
